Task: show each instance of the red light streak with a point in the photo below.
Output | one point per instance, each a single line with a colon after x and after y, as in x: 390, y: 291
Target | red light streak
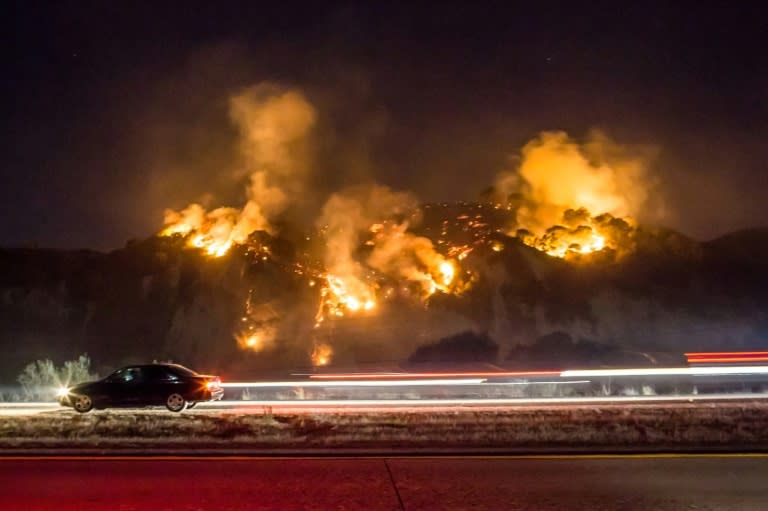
x: 714, y: 357
x: 727, y: 354
x: 726, y: 359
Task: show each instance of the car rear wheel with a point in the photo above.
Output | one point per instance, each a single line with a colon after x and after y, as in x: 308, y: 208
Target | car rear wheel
x: 83, y: 404
x: 176, y: 402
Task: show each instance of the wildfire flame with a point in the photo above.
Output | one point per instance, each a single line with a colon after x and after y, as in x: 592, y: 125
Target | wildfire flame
x: 447, y: 271
x: 214, y: 232
x: 321, y: 355
x: 582, y: 234
x: 566, y: 199
x: 400, y: 254
x: 560, y: 184
x: 339, y: 296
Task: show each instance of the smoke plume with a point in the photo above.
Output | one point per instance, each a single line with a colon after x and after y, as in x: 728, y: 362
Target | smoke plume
x: 556, y: 173
x: 346, y: 216
x: 403, y: 255
x: 274, y: 125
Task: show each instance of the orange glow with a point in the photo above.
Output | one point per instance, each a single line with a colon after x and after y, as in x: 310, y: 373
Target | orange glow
x: 256, y: 340
x: 572, y: 198
x: 340, y: 296
x: 321, y: 355
x: 447, y: 271
x: 214, y: 232
x: 579, y: 233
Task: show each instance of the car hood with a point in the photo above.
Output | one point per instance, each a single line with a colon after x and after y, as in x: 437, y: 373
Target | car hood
x: 83, y: 387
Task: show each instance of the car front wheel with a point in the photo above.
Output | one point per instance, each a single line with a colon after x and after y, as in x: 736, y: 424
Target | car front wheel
x: 83, y: 404
x: 176, y: 402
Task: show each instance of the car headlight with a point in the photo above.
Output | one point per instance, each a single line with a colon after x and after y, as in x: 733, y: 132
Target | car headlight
x: 63, y: 391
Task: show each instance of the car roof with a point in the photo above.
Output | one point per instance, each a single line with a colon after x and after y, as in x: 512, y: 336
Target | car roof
x: 157, y: 364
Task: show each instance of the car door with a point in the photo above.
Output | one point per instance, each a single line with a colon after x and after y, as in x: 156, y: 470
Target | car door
x: 117, y: 387
x: 162, y: 383
x: 133, y: 391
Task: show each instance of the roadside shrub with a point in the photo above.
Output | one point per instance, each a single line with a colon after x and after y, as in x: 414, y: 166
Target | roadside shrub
x: 41, y: 379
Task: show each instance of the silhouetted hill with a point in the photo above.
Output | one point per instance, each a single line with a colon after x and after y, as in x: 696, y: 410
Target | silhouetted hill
x: 156, y: 299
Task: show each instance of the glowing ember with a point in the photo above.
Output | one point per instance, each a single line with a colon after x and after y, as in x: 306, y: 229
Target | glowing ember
x: 251, y: 341
x: 321, y: 355
x: 257, y: 337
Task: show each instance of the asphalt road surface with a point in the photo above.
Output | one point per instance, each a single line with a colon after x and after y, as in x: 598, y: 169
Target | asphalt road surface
x: 632, y: 483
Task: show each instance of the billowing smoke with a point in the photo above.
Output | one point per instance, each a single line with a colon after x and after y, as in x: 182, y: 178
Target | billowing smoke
x: 565, y: 194
x: 403, y: 255
x: 345, y: 217
x: 274, y: 126
x: 375, y: 216
x: 556, y: 173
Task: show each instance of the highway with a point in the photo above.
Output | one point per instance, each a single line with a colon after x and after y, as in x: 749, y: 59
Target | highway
x: 536, y: 483
x: 367, y: 405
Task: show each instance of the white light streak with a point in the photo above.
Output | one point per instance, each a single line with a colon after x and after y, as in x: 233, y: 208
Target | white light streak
x: 559, y: 382
x: 347, y: 383
x: 666, y: 371
x: 432, y: 402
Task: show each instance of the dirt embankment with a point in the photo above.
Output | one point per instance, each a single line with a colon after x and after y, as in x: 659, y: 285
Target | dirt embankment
x: 742, y: 425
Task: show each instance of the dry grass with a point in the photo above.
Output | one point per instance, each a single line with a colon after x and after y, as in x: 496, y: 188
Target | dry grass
x: 743, y: 425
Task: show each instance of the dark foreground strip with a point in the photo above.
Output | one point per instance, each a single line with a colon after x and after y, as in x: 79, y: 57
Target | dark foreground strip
x: 267, y: 455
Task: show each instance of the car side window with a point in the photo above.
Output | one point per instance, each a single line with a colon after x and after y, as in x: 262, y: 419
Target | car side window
x: 160, y: 374
x: 132, y: 375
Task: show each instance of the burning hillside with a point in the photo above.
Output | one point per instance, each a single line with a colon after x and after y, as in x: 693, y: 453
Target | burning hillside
x: 369, y: 244
x: 162, y: 299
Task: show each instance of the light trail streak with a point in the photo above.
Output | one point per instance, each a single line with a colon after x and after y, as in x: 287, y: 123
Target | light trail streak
x: 726, y: 353
x: 711, y: 360
x: 373, y: 376
x: 347, y: 383
x: 375, y: 403
x: 667, y: 371
x: 440, y: 379
x: 558, y: 382
x: 714, y: 357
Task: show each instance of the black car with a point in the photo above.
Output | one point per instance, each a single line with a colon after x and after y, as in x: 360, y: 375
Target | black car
x: 172, y: 385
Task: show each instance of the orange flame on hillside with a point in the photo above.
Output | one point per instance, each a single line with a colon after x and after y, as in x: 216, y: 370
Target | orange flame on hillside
x: 339, y: 296
x: 559, y: 184
x: 582, y: 234
x: 321, y: 355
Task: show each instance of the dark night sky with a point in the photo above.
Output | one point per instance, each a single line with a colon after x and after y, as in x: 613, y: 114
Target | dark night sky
x: 110, y: 114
